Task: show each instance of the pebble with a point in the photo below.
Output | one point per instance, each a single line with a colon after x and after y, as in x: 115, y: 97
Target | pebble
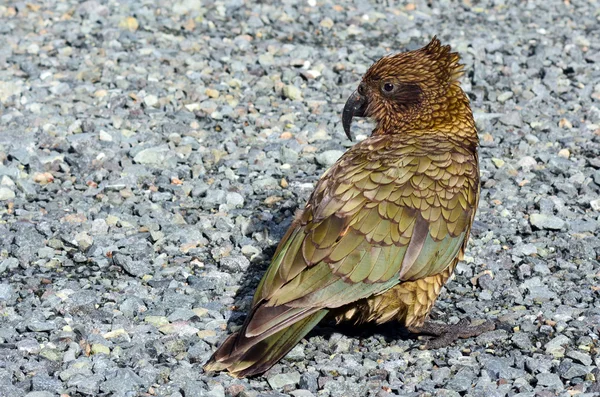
x: 292, y: 92
x: 6, y: 292
x: 280, y: 380
x: 151, y: 100
x: 505, y: 96
x: 98, y: 348
x: 512, y: 119
x: 564, y: 153
x: 543, y: 221
x: 583, y: 358
x: 329, y: 157
x: 266, y: 59
x: 235, y: 263
x: 152, y: 156
x: 39, y: 394
x: 6, y: 194
x: 527, y: 163
x: 301, y: 393
x: 550, y: 380
x: 556, y: 346
x: 84, y: 240
x: 235, y: 200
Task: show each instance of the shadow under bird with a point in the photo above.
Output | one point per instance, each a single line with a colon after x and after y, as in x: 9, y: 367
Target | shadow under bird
x: 386, y: 224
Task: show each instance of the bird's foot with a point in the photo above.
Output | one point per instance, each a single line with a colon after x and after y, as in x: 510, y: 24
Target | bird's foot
x: 445, y: 334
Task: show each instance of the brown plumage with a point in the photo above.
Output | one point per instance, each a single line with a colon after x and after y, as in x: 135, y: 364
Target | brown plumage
x: 386, y: 224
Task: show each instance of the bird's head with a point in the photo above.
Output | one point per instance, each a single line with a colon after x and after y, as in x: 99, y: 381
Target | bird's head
x: 411, y: 90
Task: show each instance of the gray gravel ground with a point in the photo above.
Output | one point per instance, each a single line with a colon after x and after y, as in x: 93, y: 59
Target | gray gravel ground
x: 151, y: 157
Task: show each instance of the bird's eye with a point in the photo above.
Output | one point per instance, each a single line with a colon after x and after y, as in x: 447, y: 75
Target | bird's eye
x: 388, y: 87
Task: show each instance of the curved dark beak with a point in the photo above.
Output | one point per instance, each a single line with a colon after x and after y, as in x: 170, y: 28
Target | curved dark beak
x: 356, y: 105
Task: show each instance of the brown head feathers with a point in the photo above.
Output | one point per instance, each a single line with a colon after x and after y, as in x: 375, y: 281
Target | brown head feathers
x: 418, y: 92
x: 431, y: 65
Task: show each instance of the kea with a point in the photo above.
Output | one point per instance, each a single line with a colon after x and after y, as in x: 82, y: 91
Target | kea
x: 385, y: 226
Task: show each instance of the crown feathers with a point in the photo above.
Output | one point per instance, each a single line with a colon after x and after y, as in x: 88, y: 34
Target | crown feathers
x: 434, y: 63
x: 448, y: 60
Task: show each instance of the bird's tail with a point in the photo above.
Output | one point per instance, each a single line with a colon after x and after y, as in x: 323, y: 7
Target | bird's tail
x: 243, y: 356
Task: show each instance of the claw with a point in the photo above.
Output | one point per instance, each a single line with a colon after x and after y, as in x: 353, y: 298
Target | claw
x: 447, y: 334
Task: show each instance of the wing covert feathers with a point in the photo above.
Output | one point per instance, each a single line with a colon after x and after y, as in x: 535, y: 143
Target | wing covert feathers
x: 393, y: 211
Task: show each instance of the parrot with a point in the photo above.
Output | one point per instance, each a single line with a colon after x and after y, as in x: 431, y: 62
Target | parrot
x: 385, y: 226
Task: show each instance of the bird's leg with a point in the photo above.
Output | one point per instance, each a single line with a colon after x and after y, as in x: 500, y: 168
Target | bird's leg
x: 446, y: 334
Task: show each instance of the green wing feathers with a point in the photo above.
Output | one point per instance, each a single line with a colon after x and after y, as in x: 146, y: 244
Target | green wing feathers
x: 246, y: 358
x: 390, y: 210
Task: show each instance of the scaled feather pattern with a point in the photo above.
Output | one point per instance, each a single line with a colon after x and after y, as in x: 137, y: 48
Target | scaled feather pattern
x: 386, y: 224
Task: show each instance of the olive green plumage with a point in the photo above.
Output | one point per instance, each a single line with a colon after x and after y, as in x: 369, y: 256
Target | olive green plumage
x: 386, y: 224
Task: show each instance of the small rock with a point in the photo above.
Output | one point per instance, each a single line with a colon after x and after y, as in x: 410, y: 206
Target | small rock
x: 292, y: 92
x: 206, y: 333
x: 522, y: 341
x: 98, y: 348
x: 329, y: 157
x: 266, y: 59
x: 84, y: 240
x: 41, y: 326
x: 265, y: 183
x: 51, y: 354
x: 302, y: 393
x: 542, y: 221
x: 527, y: 163
x: 157, y: 321
x: 499, y: 163
x: 150, y: 100
x: 582, y: 357
x: 105, y: 136
x: 212, y: 93
x: 216, y: 391
x: 129, y: 23
x: 549, y: 380
x: 99, y: 226
x: 39, y: 394
x: 439, y: 375
x: 327, y: 23
x: 179, y: 328
x: 30, y: 346
x: 462, y: 381
x: 525, y: 250
x: 235, y: 200
x: 134, y: 268
x: 512, y: 119
x: 235, y: 263
x: 296, y: 354
x: 115, y: 333
x: 153, y: 155
x: 556, y: 346
x: 491, y: 337
x: 280, y: 380
x: 123, y: 381
x: 6, y: 291
x: 214, y: 198
x: 575, y: 371
x: 309, y: 381
x: 311, y: 74
x: 6, y: 194
x: 564, y: 153
x: 505, y: 96
x: 6, y: 181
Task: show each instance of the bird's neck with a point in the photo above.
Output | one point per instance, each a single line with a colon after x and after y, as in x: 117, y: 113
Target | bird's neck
x: 449, y: 115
